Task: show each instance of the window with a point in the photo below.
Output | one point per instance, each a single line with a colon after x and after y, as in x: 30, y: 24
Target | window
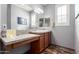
x: 33, y: 20
x: 62, y: 15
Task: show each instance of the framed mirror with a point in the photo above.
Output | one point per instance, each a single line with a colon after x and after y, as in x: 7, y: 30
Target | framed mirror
x: 21, y: 21
x: 44, y: 22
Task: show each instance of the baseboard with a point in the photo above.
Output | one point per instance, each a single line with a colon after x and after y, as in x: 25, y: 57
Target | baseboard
x: 63, y: 47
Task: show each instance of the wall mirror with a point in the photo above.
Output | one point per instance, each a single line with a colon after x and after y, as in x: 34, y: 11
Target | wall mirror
x: 44, y: 22
x: 21, y: 21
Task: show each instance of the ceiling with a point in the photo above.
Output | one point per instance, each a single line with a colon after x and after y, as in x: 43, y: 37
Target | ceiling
x: 24, y: 6
x: 30, y: 7
x: 44, y: 5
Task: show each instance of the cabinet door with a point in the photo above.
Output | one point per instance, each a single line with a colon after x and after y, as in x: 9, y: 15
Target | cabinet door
x: 41, y: 43
x: 49, y: 38
x: 46, y: 39
x: 37, y: 46
x: 46, y: 42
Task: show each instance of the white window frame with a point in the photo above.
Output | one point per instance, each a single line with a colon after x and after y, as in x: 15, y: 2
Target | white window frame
x: 68, y: 15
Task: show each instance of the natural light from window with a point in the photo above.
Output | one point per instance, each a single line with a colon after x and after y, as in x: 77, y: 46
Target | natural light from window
x: 62, y: 15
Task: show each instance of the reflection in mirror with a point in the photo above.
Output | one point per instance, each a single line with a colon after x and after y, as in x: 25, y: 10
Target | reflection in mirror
x: 47, y: 22
x: 41, y: 21
x: 21, y: 21
x: 44, y: 22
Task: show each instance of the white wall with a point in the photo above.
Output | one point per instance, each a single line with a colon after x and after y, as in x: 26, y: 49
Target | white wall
x: 50, y: 11
x: 0, y: 14
x: 15, y: 12
x: 77, y: 35
x: 62, y: 35
x: 10, y: 15
x: 18, y: 12
x: 0, y: 24
x: 77, y: 30
x: 4, y: 14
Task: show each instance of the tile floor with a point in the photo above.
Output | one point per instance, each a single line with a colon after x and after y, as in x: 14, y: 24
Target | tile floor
x: 54, y: 49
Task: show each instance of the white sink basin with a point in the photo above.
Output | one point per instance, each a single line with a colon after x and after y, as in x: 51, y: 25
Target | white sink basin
x: 40, y: 31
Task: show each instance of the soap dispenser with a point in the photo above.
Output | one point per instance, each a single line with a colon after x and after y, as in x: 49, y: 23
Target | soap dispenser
x: 3, y: 31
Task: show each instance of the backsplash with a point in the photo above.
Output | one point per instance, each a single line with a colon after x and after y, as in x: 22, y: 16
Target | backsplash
x: 11, y: 33
x: 20, y: 32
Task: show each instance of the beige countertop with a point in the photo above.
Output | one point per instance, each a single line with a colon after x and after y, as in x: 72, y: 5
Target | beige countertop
x: 18, y: 38
x: 40, y: 31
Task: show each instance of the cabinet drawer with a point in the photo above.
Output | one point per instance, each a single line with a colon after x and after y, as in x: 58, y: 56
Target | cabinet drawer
x: 46, y: 36
x: 41, y: 37
x: 47, y: 33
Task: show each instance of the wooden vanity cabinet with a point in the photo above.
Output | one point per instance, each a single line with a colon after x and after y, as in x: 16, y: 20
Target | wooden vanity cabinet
x: 38, y: 46
x: 47, y: 39
x: 8, y: 48
x: 25, y: 42
x: 44, y: 42
x: 5, y: 48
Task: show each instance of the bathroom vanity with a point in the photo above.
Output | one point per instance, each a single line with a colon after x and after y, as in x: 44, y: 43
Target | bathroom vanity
x: 45, y: 38
x: 39, y: 40
x: 18, y: 41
